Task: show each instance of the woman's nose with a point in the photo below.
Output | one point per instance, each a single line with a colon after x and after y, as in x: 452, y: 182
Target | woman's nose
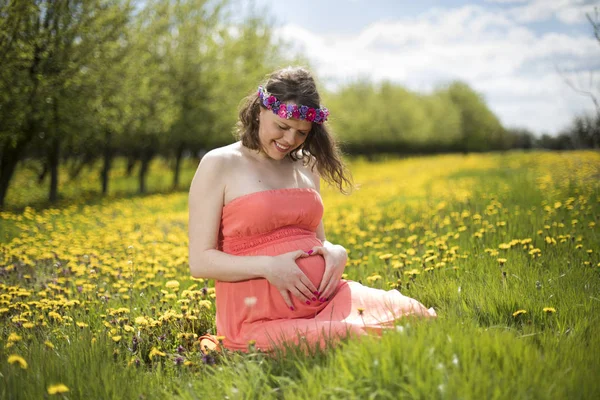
x: 289, y: 137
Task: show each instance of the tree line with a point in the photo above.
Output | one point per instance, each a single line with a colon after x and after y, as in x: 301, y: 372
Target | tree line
x: 85, y: 81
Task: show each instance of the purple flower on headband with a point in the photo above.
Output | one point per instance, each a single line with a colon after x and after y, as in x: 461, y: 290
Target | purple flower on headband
x: 286, y: 111
x: 282, y: 111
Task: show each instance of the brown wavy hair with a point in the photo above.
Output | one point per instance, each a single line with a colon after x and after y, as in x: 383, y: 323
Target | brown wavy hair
x: 296, y: 85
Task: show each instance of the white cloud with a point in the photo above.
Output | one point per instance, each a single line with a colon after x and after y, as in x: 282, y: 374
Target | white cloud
x: 566, y: 11
x: 515, y: 69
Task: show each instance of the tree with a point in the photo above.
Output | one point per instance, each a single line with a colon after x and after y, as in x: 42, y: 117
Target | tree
x: 44, y: 47
x: 481, y: 129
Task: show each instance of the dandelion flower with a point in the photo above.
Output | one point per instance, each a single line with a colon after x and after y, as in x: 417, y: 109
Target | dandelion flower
x: 549, y: 310
x: 250, y: 301
x: 360, y: 310
x: 156, y: 352
x: 13, y: 337
x: 116, y: 339
x: 15, y: 359
x: 172, y: 285
x: 57, y: 389
x: 502, y: 261
x: 49, y: 344
x: 519, y: 312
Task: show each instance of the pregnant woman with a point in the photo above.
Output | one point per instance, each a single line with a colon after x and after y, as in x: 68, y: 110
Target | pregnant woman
x: 255, y: 226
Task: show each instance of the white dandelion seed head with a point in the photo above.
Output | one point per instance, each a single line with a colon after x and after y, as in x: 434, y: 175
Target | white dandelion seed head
x: 250, y: 301
x: 455, y: 359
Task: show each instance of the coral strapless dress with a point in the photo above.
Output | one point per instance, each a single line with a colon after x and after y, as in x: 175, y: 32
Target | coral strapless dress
x: 278, y: 221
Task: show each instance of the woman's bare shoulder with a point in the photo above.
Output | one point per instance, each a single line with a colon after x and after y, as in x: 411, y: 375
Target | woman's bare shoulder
x: 310, y: 169
x: 216, y: 164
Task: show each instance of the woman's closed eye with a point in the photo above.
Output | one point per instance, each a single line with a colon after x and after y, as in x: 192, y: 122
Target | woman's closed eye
x: 287, y: 128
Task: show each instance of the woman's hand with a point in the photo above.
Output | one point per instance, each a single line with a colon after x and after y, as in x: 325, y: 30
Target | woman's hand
x: 287, y: 277
x: 335, y: 261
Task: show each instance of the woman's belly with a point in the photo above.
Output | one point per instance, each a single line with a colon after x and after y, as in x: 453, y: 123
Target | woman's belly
x: 254, y: 300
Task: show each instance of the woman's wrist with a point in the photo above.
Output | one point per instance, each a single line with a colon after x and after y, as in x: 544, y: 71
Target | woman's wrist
x: 266, y: 266
x: 335, y: 248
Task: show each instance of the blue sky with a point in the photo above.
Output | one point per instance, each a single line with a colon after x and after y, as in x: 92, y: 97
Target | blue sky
x: 516, y: 53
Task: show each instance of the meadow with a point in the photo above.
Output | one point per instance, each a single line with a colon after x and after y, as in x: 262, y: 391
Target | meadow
x: 96, y: 299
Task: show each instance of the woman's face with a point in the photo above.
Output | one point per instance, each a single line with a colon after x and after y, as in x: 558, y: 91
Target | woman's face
x: 279, y: 136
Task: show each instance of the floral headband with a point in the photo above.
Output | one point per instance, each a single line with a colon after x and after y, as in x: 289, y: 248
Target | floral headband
x: 287, y: 111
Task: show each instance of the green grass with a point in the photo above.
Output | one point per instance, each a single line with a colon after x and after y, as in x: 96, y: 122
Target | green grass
x: 466, y: 210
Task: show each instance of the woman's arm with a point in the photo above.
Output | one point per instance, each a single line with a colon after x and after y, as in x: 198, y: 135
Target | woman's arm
x: 205, y: 209
x: 335, y: 255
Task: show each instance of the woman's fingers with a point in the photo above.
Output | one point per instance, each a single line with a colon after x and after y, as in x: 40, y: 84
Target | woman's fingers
x: 299, y: 254
x: 318, y: 250
x: 309, y: 285
x: 329, y: 289
x: 287, y: 299
x: 325, y: 281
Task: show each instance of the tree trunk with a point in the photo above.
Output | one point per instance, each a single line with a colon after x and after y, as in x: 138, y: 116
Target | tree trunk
x: 178, y: 157
x: 8, y: 163
x: 131, y: 161
x: 107, y: 161
x: 146, y: 157
x: 42, y: 174
x: 53, y: 161
x: 54, y: 155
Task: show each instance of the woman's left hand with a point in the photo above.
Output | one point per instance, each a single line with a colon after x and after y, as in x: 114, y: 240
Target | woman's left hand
x: 335, y: 261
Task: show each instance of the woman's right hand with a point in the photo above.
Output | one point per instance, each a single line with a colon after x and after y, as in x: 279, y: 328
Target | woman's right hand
x: 287, y: 277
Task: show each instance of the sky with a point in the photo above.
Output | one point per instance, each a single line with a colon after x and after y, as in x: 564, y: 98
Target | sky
x: 518, y: 54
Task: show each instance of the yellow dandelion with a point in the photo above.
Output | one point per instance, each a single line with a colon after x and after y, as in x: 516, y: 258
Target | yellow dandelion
x: 205, y: 304
x: 16, y: 359
x: 82, y: 325
x: 13, y: 337
x: 373, y: 278
x: 519, y: 312
x: 174, y: 285
x: 28, y: 325
x: 116, y: 339
x: 502, y: 261
x: 549, y: 310
x: 156, y: 352
x: 57, y: 389
x: 360, y: 310
x: 413, y: 271
x: 49, y: 344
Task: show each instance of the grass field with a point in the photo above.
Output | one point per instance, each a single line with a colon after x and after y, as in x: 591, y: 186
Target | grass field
x: 96, y: 297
